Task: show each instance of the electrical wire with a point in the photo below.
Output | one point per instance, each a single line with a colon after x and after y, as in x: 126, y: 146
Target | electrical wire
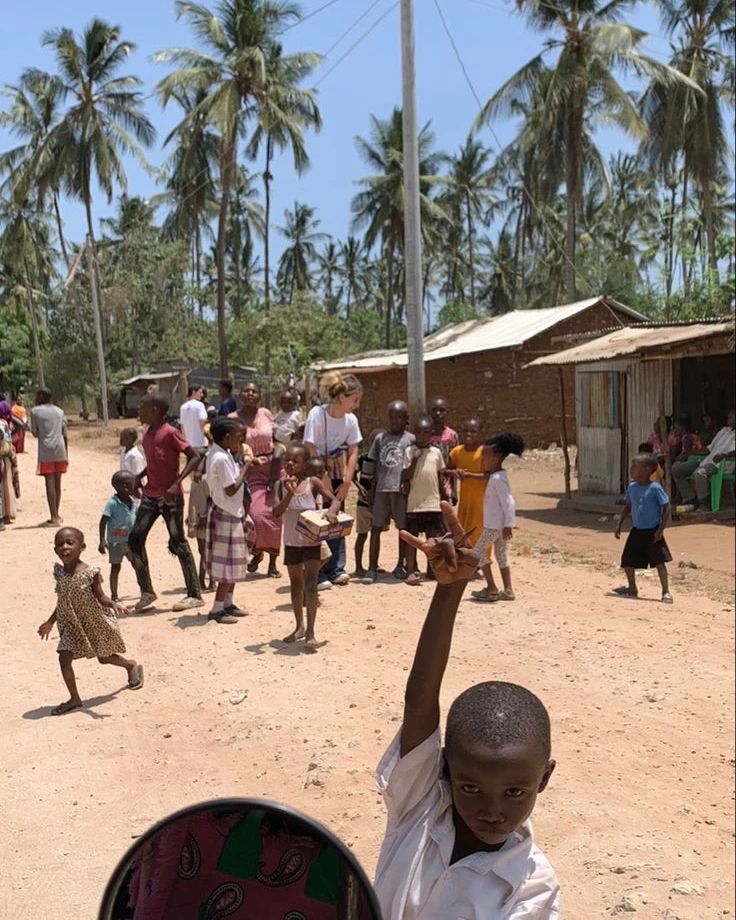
x: 356, y: 43
x: 303, y: 19
x: 351, y: 27
x: 529, y: 195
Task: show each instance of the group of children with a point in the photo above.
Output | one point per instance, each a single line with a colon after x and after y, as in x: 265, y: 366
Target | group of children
x: 458, y: 829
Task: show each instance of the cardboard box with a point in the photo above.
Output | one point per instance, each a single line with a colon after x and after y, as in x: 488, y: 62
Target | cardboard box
x: 314, y: 526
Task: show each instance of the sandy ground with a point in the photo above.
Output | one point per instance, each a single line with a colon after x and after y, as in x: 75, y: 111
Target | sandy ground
x: 637, y: 818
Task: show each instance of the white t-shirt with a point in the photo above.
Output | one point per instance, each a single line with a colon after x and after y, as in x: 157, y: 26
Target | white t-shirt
x: 723, y: 443
x: 331, y: 443
x: 414, y: 878
x: 222, y: 471
x: 285, y: 424
x: 499, y: 507
x: 192, y: 416
x: 132, y: 461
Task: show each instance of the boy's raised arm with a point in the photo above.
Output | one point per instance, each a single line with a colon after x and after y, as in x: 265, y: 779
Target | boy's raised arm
x: 454, y: 562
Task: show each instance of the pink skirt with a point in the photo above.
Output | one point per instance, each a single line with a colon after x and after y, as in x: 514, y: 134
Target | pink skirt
x: 268, y: 528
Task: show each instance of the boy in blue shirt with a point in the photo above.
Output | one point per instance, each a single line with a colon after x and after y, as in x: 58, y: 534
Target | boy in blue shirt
x: 118, y: 517
x: 649, y: 506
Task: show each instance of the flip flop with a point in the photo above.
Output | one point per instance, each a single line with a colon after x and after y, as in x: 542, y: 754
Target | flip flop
x: 63, y: 708
x: 136, y: 678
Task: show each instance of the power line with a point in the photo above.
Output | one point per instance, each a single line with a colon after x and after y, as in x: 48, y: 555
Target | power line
x: 356, y: 43
x: 534, y: 204
x: 303, y: 19
x: 351, y: 27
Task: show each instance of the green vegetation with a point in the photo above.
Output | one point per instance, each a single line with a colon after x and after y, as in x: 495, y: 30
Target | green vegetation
x: 190, y: 274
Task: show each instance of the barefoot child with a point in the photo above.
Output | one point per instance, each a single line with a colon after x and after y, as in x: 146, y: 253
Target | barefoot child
x: 458, y: 840
x: 298, y: 493
x: 388, y: 452
x: 116, y: 523
x: 424, y: 476
x: 499, y: 515
x: 649, y: 506
x: 86, y: 618
x: 226, y: 550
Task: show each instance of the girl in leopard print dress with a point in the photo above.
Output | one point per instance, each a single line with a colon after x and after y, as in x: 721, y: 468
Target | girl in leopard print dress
x: 86, y: 617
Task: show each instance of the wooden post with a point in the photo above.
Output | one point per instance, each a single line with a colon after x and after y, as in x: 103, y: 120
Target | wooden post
x: 664, y: 441
x: 563, y: 434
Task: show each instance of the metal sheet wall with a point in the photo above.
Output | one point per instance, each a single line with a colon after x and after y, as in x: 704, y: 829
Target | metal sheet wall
x: 646, y: 380
x: 599, y: 461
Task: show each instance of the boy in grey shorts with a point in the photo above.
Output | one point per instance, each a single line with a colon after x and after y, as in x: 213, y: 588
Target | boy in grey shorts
x: 117, y: 521
x: 388, y: 452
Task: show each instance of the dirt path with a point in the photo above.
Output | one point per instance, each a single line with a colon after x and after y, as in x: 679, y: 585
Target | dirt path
x: 641, y: 698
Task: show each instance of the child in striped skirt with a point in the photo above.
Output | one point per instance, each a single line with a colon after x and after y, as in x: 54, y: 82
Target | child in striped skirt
x: 226, y: 551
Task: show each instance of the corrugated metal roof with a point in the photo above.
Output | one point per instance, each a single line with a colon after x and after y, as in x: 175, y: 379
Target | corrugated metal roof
x: 631, y: 340
x: 140, y: 378
x: 505, y: 331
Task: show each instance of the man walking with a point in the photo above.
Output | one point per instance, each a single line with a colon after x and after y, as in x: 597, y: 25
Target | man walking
x: 48, y: 426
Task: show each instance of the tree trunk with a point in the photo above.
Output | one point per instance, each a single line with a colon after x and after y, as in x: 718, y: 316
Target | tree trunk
x: 34, y: 328
x: 471, y: 255
x: 389, y: 293
x: 683, y: 211
x: 669, y: 253
x: 227, y: 165
x: 60, y: 230
x: 267, y: 219
x: 198, y: 266
x: 710, y: 233
x: 95, y: 276
x: 572, y: 149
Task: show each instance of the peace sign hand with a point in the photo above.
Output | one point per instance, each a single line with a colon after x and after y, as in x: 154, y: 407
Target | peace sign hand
x: 451, y: 556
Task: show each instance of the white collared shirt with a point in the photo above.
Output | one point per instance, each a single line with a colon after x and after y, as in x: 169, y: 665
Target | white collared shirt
x: 221, y: 471
x: 723, y: 443
x: 414, y: 878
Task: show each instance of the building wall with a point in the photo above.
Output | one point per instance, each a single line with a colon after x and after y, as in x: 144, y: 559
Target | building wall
x: 495, y: 386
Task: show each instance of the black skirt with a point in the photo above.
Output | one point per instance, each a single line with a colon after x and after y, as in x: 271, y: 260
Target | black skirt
x: 641, y: 551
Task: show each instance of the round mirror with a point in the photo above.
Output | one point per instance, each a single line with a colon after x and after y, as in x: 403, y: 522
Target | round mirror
x: 240, y: 859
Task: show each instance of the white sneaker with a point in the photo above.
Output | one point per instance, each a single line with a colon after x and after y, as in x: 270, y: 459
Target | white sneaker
x: 146, y: 601
x: 324, y: 585
x: 341, y: 580
x: 188, y: 603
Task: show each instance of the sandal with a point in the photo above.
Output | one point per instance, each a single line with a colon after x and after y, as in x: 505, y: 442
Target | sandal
x: 63, y: 708
x: 135, y: 682
x: 625, y: 591
x: 414, y: 579
x: 255, y: 562
x: 488, y: 597
x: 274, y: 573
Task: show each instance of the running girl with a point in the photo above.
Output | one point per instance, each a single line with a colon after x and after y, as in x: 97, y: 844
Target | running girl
x: 86, y: 617
x: 300, y: 492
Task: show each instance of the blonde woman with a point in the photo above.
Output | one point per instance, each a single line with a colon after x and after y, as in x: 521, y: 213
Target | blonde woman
x: 332, y: 433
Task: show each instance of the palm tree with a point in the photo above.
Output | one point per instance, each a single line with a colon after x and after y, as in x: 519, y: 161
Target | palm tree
x: 329, y: 270
x: 190, y: 186
x: 686, y: 121
x: 246, y: 221
x: 28, y: 257
x: 380, y: 206
x: 233, y: 74
x: 469, y: 186
x: 353, y: 269
x: 591, y: 44
x: 33, y: 111
x: 285, y: 113
x: 105, y: 118
x: 296, y: 260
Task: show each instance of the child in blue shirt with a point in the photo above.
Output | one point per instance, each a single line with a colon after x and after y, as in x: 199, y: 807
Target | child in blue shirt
x: 649, y: 506
x: 118, y: 517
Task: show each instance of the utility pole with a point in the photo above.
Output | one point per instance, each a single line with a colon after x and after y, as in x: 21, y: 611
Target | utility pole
x: 412, y: 219
x: 98, y: 328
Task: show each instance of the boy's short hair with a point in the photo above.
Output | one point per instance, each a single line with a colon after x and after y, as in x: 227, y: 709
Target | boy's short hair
x: 130, y: 434
x: 497, y: 714
x: 423, y: 421
x: 223, y: 427
x: 43, y: 395
x: 119, y: 477
x: 300, y: 446
x: 647, y: 460
x: 156, y: 399
x: 644, y: 448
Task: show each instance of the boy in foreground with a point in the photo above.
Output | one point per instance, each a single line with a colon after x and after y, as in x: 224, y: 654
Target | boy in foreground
x: 458, y: 840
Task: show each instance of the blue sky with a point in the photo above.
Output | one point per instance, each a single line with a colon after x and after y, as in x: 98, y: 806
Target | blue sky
x: 492, y: 39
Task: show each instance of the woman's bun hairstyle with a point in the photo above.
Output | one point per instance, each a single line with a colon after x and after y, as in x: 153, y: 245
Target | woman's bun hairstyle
x: 333, y: 385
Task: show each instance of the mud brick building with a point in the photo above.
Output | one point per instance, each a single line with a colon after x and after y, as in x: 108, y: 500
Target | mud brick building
x: 480, y: 366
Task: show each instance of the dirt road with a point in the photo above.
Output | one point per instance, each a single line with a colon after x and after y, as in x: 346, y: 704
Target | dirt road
x: 638, y: 816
